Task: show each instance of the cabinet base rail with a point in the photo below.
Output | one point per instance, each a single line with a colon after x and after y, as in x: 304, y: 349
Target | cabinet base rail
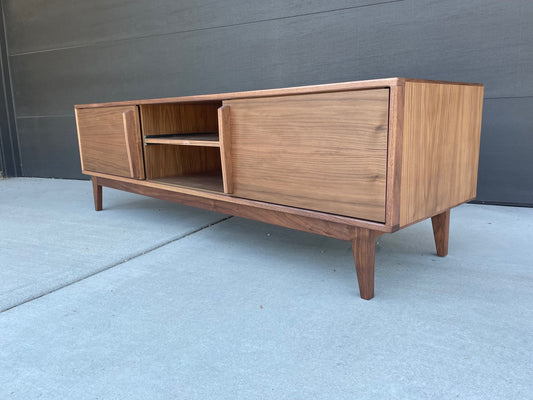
x: 361, y: 234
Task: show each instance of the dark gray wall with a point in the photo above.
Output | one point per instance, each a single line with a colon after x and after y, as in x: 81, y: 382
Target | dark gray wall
x: 66, y: 53
x: 9, y: 151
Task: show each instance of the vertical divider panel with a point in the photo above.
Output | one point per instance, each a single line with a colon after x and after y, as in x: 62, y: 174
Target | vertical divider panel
x: 224, y: 132
x: 394, y: 155
x: 133, y: 138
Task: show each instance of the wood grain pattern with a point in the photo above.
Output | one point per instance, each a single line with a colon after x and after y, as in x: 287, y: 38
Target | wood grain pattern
x: 97, y: 194
x: 168, y: 160
x: 441, y: 232
x: 441, y: 82
x: 166, y: 118
x: 363, y: 246
x: 323, y: 88
x: 205, y: 140
x: 394, y: 155
x: 110, y: 141
x: 225, y: 202
x: 224, y: 128
x: 306, y: 223
x: 132, y: 137
x: 349, y: 165
x: 211, y: 181
x: 126, y: 122
x: 325, y: 152
x: 441, y: 137
x: 171, y: 160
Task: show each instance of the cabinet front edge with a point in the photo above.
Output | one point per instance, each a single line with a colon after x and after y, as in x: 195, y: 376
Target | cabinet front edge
x: 321, y: 88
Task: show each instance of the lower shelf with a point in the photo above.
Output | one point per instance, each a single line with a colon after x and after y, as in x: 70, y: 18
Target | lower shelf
x: 206, y: 181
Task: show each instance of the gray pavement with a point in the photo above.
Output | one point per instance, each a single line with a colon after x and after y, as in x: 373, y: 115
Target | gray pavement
x: 154, y: 300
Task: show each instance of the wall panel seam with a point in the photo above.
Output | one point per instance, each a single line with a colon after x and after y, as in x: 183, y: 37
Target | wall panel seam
x: 507, y: 97
x: 127, y: 39
x: 48, y: 116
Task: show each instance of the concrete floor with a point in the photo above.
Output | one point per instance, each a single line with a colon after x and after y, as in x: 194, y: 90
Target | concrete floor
x: 154, y: 300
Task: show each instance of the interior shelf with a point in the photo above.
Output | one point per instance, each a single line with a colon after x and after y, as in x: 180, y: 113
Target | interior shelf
x: 205, y: 180
x: 185, y: 139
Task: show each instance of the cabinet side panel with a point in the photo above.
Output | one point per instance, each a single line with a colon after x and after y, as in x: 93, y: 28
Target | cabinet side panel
x: 442, y: 127
x: 324, y: 152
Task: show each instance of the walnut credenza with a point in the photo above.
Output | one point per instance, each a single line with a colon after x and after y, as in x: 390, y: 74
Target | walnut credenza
x: 347, y: 160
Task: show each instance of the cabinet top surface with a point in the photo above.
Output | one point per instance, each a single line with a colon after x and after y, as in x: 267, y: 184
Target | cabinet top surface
x: 330, y: 87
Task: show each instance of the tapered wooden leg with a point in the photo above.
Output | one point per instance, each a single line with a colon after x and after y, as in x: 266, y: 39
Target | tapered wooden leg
x: 97, y: 193
x: 441, y: 231
x: 364, y: 245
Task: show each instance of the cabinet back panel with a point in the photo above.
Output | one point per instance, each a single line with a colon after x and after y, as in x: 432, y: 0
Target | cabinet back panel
x: 325, y: 152
x: 169, y: 160
x: 160, y: 119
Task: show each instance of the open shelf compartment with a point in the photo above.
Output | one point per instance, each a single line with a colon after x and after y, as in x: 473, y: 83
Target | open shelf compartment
x: 181, y: 144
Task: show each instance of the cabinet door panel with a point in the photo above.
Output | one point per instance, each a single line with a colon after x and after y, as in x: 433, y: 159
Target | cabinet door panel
x: 110, y: 141
x: 325, y: 152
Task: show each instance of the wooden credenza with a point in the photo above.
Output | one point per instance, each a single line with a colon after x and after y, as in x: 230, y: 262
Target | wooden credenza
x: 347, y: 160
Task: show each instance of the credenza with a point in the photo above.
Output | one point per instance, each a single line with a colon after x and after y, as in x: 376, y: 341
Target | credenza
x: 348, y: 160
